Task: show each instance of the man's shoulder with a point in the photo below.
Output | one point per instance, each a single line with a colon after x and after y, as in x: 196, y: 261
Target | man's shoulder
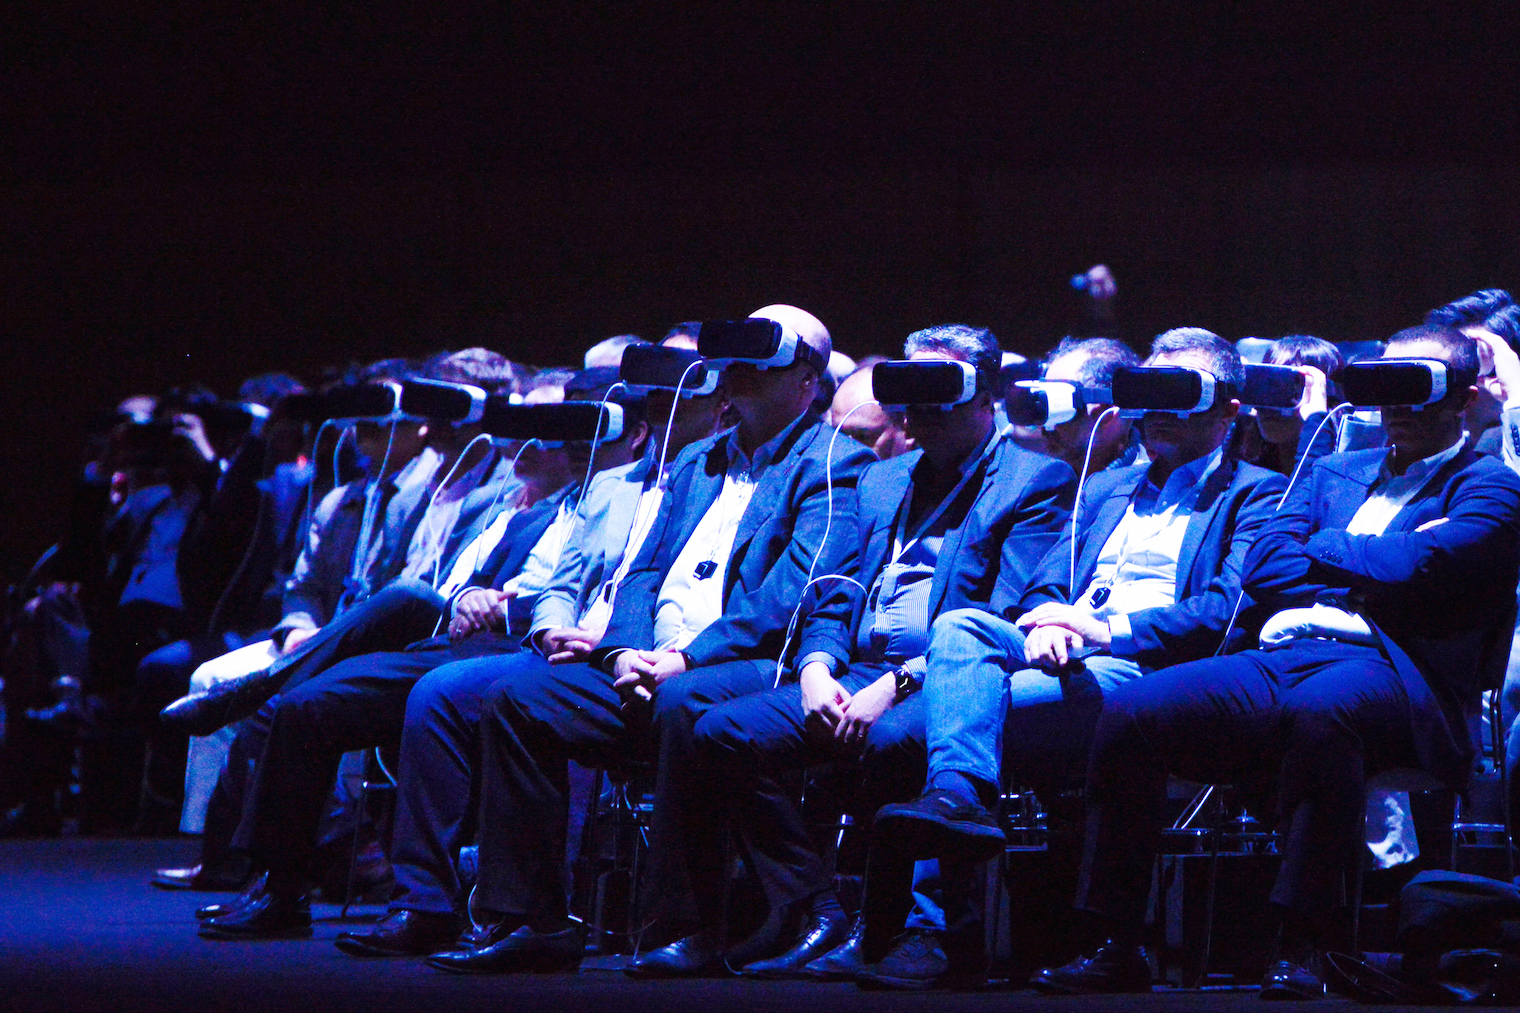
x: 820, y: 443
x: 1249, y: 476
x: 1014, y: 462
x: 1487, y: 469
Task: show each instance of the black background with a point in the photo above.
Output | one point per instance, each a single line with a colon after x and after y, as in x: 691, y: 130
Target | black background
x: 199, y: 191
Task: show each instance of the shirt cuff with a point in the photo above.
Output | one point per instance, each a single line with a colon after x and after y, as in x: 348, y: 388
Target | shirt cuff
x: 823, y: 656
x: 1121, y: 637
x: 917, y: 667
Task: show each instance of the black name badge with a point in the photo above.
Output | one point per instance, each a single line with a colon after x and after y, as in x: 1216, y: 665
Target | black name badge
x: 705, y: 569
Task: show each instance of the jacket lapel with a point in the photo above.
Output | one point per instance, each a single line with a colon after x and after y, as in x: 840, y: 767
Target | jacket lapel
x: 955, y: 538
x: 1105, y: 518
x: 1204, y: 516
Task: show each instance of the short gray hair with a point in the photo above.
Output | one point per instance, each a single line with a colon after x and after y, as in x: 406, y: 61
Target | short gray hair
x: 1222, y: 358
x: 976, y: 345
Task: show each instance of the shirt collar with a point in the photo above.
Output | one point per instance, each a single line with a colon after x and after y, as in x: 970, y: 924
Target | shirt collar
x: 765, y: 453
x: 1191, y: 474
x: 1422, y: 469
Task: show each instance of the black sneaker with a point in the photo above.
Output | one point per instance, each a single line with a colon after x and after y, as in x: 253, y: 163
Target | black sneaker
x: 939, y: 824
x: 917, y: 963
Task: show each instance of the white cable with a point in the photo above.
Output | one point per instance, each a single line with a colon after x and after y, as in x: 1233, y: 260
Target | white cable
x: 828, y: 474
x: 371, y: 507
x: 659, y: 476
x: 506, y: 481
x: 1076, y: 507
x: 433, y: 499
x: 601, y: 411
x: 1240, y: 597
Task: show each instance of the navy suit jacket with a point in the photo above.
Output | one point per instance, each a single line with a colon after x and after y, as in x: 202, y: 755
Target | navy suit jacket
x: 1236, y: 500
x: 1442, y: 599
x: 1019, y: 503
x: 781, y: 532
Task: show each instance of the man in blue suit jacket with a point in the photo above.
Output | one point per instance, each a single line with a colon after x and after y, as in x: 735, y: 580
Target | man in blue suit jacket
x: 698, y: 619
x: 1159, y: 552
x: 1390, y: 576
x: 939, y: 527
x: 438, y: 766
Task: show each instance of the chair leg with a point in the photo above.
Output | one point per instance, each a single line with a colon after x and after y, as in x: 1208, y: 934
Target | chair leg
x: 353, y: 850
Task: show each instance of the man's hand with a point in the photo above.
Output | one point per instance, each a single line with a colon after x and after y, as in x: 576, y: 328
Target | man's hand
x: 863, y: 709
x: 476, y: 610
x: 565, y: 644
x: 1056, y: 630
x: 295, y: 638
x: 1050, y: 647
x: 1315, y: 397
x: 639, y: 673
x: 1505, y: 381
x: 193, y: 430
x: 823, y: 699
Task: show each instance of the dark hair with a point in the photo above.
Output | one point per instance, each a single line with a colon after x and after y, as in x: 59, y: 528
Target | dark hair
x: 1224, y: 361
x: 1461, y: 352
x: 595, y: 383
x: 1307, y: 350
x: 478, y: 366
x: 1102, y: 357
x: 267, y: 388
x: 976, y: 345
x: 384, y: 369
x: 1471, y: 310
x: 685, y: 329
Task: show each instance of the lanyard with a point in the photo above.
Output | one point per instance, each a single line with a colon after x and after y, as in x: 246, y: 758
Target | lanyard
x: 927, y: 524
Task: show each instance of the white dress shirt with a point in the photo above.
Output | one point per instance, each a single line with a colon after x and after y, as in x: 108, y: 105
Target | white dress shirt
x: 1391, y: 493
x: 1137, y: 566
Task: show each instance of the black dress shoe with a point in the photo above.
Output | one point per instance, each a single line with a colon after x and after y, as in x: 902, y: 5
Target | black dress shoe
x: 843, y: 961
x: 1111, y: 969
x: 267, y: 916
x: 940, y: 823
x: 694, y: 956
x: 254, y: 890
x: 223, y: 877
x: 819, y: 935
x: 215, y: 708
x: 522, y: 950
x: 402, y: 934
x: 1289, y: 979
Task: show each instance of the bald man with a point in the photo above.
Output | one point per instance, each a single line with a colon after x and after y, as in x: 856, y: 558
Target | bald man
x: 864, y: 420
x: 747, y: 518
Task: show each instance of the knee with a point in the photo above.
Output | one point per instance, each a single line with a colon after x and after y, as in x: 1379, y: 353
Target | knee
x: 679, y: 701
x: 719, y: 734
x: 959, y: 623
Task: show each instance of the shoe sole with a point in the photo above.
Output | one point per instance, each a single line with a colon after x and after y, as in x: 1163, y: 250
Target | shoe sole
x: 930, y: 838
x: 560, y: 965
x: 358, y: 948
x: 223, y: 936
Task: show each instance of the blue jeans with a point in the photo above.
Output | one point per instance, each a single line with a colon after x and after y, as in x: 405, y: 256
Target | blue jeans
x: 986, y: 709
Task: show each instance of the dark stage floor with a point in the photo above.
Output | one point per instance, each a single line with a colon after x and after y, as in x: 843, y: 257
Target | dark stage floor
x: 80, y: 929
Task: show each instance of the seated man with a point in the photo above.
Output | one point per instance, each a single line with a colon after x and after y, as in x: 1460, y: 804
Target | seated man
x: 1391, y: 576
x: 359, y: 701
x: 1159, y: 550
x: 698, y: 619
x: 940, y: 526
x: 1090, y: 363
x: 440, y: 744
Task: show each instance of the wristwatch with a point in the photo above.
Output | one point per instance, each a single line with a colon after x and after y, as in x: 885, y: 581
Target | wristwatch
x: 904, y: 684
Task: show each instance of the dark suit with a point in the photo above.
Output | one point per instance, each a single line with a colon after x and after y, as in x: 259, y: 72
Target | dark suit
x: 350, y: 693
x: 537, y: 717
x: 1005, y: 519
x: 1315, y: 717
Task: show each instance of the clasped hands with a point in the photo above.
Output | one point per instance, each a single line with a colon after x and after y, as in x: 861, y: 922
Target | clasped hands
x: 482, y: 608
x: 831, y: 710
x: 638, y: 673
x: 1056, y: 630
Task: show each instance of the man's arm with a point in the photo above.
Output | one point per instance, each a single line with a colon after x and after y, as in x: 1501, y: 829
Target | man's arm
x: 1039, y: 524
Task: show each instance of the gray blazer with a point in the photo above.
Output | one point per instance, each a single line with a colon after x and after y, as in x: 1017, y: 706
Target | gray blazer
x: 595, y: 546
